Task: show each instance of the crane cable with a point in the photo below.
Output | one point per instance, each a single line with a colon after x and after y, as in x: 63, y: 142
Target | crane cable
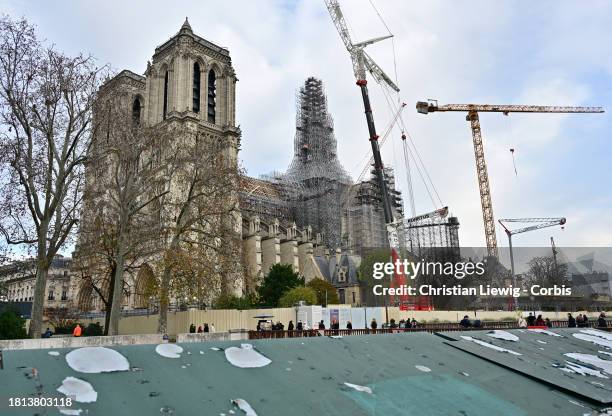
x: 407, y: 150
x: 421, y: 169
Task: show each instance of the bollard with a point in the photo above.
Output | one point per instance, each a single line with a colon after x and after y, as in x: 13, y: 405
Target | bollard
x: 1, y: 361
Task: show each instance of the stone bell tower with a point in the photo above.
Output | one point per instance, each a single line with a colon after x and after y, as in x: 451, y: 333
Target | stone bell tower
x: 191, y: 80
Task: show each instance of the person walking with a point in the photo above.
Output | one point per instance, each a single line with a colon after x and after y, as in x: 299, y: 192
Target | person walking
x: 373, y: 325
x: 77, y: 331
x: 300, y: 326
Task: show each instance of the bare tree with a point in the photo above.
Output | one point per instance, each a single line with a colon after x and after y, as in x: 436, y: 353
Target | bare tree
x: 123, y: 183
x: 199, y: 247
x: 46, y: 100
x: 545, y: 271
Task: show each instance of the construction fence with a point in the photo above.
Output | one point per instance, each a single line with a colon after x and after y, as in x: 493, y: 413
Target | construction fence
x: 231, y: 319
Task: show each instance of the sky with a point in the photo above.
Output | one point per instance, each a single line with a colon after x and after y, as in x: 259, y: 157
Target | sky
x: 513, y: 52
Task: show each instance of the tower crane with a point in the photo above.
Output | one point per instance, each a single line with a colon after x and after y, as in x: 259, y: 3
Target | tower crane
x: 539, y: 224
x: 430, y: 106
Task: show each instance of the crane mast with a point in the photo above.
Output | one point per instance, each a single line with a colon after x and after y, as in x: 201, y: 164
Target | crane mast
x: 362, y: 62
x: 431, y: 106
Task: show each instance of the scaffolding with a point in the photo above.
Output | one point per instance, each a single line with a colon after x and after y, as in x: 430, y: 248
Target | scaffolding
x: 364, y: 216
x: 433, y: 236
x: 315, y: 183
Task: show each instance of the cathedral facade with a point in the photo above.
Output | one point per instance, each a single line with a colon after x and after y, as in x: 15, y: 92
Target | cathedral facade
x: 312, y: 217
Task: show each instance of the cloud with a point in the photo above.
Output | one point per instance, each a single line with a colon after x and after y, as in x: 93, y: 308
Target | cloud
x: 551, y: 52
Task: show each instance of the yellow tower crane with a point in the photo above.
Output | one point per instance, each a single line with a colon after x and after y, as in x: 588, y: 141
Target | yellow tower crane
x: 430, y: 106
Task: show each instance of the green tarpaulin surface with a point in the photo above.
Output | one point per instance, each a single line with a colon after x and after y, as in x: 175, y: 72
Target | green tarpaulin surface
x: 409, y: 374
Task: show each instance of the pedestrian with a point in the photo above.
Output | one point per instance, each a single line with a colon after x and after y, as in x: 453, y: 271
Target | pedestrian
x: 465, y: 322
x: 77, y: 331
x: 321, y: 325
x: 290, y: 326
x: 392, y: 324
x: 571, y: 321
x: 414, y: 323
x: 206, y: 328
x: 585, y: 321
x: 531, y: 320
x: 540, y: 321
x: 200, y: 329
x: 579, y: 321
x: 47, y: 333
x: 349, y: 325
x: 212, y: 328
x: 548, y: 323
x: 601, y: 322
x: 374, y: 324
x: 300, y: 326
x: 192, y: 329
x: 522, y: 323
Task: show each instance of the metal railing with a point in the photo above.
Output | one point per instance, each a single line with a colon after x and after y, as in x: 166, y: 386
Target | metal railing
x: 427, y: 327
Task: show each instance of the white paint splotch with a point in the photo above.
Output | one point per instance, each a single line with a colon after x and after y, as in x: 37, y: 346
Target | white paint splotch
x: 593, y: 360
x: 246, y: 357
x: 582, y: 370
x: 491, y: 346
x: 169, y: 350
x: 96, y: 360
x: 596, y: 337
x: 245, y: 407
x: 53, y: 353
x: 423, y: 368
x: 79, y: 390
x: 68, y: 411
x: 364, y: 389
x: 505, y: 335
x: 544, y: 331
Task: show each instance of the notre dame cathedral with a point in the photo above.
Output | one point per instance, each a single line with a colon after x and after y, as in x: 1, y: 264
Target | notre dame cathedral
x: 190, y: 82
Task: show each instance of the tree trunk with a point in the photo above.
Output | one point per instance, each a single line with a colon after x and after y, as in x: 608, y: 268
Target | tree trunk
x: 108, y: 304
x: 162, y: 326
x: 42, y: 271
x: 116, y: 300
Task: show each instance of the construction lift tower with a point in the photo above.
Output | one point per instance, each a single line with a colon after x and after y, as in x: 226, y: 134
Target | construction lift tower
x: 539, y: 224
x: 472, y: 110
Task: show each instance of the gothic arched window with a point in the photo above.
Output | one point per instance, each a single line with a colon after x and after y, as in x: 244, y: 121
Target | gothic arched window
x: 212, y: 93
x: 165, y: 94
x: 196, y: 87
x: 136, y: 112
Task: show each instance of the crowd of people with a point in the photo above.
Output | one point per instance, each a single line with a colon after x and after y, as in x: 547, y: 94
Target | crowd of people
x: 202, y: 328
x: 582, y: 321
